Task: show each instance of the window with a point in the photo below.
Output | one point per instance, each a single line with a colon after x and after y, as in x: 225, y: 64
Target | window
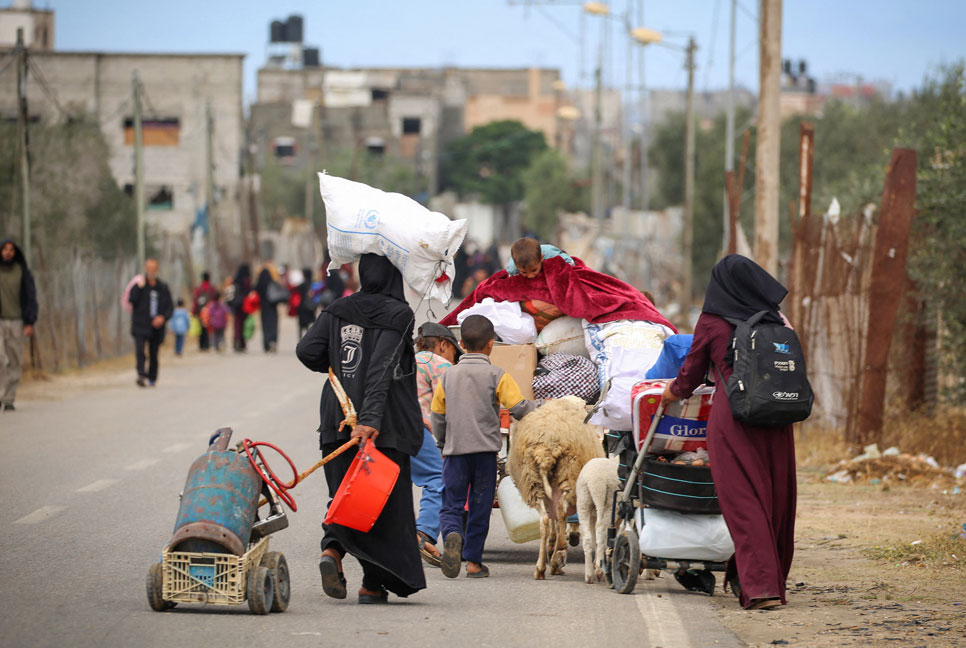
x: 157, y: 197
x: 285, y: 149
x: 411, y: 125
x: 376, y: 146
x: 154, y: 132
x: 380, y: 94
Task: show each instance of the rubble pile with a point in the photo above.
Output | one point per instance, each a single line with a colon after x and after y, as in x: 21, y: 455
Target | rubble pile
x: 894, y: 467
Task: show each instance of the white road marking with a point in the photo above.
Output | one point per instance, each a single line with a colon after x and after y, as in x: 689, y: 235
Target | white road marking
x: 99, y: 485
x: 310, y: 634
x: 177, y: 447
x: 141, y: 465
x: 662, y: 622
x: 41, y: 514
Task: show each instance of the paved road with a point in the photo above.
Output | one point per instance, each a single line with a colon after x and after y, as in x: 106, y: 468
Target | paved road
x: 91, y: 469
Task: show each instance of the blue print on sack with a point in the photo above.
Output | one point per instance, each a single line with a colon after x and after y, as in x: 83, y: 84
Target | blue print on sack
x: 781, y: 348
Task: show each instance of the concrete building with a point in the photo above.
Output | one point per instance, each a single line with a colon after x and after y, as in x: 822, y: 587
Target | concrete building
x: 177, y: 89
x: 37, y: 25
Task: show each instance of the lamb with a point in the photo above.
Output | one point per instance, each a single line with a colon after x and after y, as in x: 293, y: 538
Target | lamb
x: 548, y: 449
x: 596, y: 486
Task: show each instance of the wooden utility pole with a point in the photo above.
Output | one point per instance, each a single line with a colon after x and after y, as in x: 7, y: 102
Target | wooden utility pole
x: 687, y: 234
x: 597, y: 162
x: 212, y: 256
x: 23, y: 142
x: 769, y: 136
x: 138, y: 168
x: 730, y: 135
x: 888, y: 278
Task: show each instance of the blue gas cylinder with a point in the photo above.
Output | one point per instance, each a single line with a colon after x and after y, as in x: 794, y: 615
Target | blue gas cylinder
x: 219, y: 503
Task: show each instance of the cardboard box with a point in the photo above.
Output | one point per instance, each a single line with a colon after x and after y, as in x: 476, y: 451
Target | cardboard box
x: 518, y: 360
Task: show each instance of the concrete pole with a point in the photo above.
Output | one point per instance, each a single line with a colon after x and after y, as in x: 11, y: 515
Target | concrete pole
x: 729, y: 128
x: 626, y: 128
x: 769, y: 136
x: 212, y: 257
x: 138, y: 168
x: 687, y: 234
x: 644, y: 112
x: 597, y: 183
x: 23, y: 143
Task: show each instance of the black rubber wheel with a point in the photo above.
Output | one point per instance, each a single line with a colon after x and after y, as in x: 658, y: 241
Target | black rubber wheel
x: 260, y: 590
x: 155, y: 588
x: 626, y: 560
x: 277, y: 566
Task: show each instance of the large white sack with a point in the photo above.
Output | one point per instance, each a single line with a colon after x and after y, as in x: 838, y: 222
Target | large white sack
x: 522, y: 522
x: 562, y: 335
x: 509, y: 321
x: 626, y: 368
x: 687, y: 536
x: 364, y: 220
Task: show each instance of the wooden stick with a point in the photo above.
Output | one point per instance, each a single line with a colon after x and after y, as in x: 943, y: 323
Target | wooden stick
x: 326, y: 459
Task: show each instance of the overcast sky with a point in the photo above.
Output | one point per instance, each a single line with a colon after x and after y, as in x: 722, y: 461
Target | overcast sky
x: 896, y: 41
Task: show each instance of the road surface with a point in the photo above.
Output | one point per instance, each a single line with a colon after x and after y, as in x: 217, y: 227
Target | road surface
x: 91, y: 471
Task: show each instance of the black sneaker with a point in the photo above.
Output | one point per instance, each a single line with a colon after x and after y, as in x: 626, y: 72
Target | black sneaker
x: 8, y: 407
x: 141, y: 382
x: 452, y: 558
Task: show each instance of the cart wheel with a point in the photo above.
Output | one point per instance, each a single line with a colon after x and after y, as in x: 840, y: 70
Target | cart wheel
x: 626, y: 561
x: 275, y: 562
x: 155, y: 586
x: 260, y: 590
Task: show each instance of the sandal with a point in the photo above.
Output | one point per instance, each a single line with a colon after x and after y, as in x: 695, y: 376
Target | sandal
x: 452, y: 555
x: 764, y: 604
x: 428, y: 556
x: 333, y: 581
x: 483, y: 573
x: 373, y: 599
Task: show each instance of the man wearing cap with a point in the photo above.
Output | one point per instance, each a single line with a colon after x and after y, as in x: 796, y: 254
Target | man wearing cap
x: 437, y: 350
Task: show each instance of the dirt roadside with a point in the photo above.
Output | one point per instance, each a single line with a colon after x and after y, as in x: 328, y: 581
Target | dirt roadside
x: 857, y: 579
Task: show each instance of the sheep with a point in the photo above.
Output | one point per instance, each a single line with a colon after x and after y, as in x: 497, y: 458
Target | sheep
x: 596, y: 486
x: 548, y: 449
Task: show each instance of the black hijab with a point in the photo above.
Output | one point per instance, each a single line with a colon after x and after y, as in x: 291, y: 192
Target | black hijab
x: 381, y: 302
x: 740, y: 288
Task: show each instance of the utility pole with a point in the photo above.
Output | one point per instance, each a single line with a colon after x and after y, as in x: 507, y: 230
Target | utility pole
x: 625, y: 104
x: 769, y: 136
x: 138, y: 167
x: 687, y: 235
x: 23, y: 142
x: 644, y: 113
x: 597, y: 182
x: 212, y: 256
x: 729, y: 130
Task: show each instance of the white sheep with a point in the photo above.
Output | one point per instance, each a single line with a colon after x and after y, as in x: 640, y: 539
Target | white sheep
x: 596, y: 486
x: 547, y: 450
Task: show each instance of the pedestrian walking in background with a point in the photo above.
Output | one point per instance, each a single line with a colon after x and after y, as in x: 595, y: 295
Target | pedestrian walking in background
x: 365, y: 340
x: 306, y: 302
x: 753, y: 467
x: 270, y: 293
x: 218, y: 314
x: 241, y: 286
x: 203, y: 294
x: 436, y: 351
x: 18, y: 314
x: 180, y: 323
x: 151, y: 301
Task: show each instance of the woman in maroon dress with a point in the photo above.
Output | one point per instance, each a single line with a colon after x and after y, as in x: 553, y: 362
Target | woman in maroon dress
x: 753, y: 467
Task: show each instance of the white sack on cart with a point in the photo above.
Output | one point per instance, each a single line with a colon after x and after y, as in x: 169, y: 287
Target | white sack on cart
x: 522, y: 522
x: 562, y: 335
x: 641, y: 343
x: 364, y: 220
x: 687, y: 536
x: 509, y: 321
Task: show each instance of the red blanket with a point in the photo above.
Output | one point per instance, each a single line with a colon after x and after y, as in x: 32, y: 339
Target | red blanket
x: 576, y: 290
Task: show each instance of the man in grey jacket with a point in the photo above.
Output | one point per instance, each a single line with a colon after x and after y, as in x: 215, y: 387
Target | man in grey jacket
x: 466, y: 424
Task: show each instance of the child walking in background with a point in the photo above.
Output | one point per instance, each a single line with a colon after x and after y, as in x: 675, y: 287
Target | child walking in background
x: 218, y: 320
x: 180, y: 323
x: 466, y: 424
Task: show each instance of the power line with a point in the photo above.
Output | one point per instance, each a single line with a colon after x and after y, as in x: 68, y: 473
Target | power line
x: 747, y: 12
x: 9, y: 58
x: 556, y: 22
x: 714, y: 34
x: 46, y: 87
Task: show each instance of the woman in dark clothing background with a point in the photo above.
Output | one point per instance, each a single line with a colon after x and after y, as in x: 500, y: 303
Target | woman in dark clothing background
x: 269, y: 309
x: 306, y: 308
x: 242, y: 285
x: 366, y: 339
x: 753, y: 467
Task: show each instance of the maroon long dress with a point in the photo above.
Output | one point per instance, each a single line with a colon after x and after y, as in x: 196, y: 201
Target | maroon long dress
x: 753, y: 470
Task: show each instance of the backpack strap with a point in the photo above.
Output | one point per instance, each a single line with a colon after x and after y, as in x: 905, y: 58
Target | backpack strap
x: 750, y: 322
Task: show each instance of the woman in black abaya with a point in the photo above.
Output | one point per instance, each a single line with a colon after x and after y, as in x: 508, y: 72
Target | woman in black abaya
x: 366, y: 339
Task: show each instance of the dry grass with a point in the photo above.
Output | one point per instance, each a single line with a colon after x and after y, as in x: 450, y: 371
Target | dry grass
x: 944, y: 549
x: 820, y: 448
x: 942, y: 435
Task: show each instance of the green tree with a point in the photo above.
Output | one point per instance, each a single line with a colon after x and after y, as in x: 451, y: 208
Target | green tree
x: 490, y: 161
x: 548, y: 189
